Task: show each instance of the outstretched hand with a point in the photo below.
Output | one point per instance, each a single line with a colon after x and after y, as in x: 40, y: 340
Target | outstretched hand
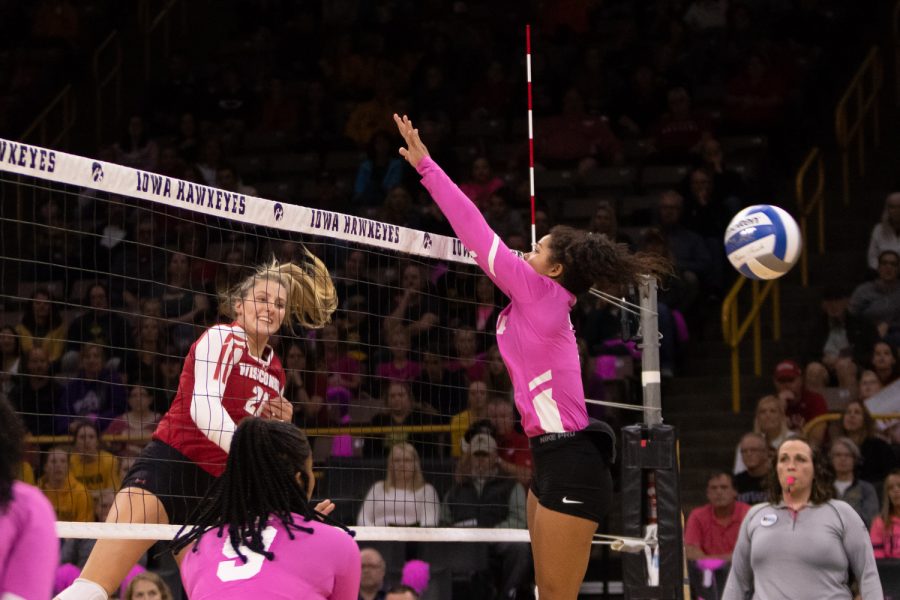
x: 415, y: 150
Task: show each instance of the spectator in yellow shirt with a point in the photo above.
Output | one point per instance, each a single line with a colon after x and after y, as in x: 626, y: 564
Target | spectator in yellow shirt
x: 70, y: 499
x: 476, y: 410
x: 96, y: 469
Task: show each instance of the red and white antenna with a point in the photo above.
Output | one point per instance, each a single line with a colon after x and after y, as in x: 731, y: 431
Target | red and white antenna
x: 530, y: 130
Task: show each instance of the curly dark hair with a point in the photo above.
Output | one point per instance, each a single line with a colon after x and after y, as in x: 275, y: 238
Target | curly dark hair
x: 590, y: 259
x: 822, y: 489
x: 259, y: 482
x: 12, y: 438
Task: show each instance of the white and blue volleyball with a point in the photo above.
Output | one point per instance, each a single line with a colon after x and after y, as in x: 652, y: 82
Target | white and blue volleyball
x: 763, y: 242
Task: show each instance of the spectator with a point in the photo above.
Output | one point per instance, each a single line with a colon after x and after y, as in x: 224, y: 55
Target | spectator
x: 485, y: 497
x: 885, y: 532
x: 681, y: 130
x: 886, y: 234
x: 729, y: 183
x: 29, y: 548
x: 279, y: 110
x: 36, y: 394
x: 859, y: 494
x: 500, y: 215
x: 839, y: 340
x: 574, y: 138
x: 143, y: 366
x: 147, y: 586
x: 139, y: 422
x: 875, y: 457
x: 712, y: 529
x: 96, y: 393
x: 400, y: 367
x: 101, y: 326
x: 771, y: 422
x: 482, y: 183
x: 373, y: 116
x: 513, y: 450
x: 756, y: 455
x: 468, y: 360
x: 476, y: 410
x: 70, y: 499
x: 640, y: 104
x: 10, y: 360
x: 228, y: 178
x: 371, y: 583
x: 403, y: 498
x: 438, y: 387
x: 688, y: 250
x: 183, y: 304
x: 42, y: 326
x: 605, y: 222
x: 869, y: 385
x: 755, y: 97
x: 401, y: 592
x: 76, y: 551
x: 306, y: 388
x: 94, y: 468
x: 343, y: 367
x: 497, y: 375
x: 801, y: 404
x: 381, y: 171
x: 136, y: 149
x: 878, y: 301
x: 884, y: 363
x: 416, y: 305
x: 208, y: 163
x: 398, y: 208
x: 402, y: 411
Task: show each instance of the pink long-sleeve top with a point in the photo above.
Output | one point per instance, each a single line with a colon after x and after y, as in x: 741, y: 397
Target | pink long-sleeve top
x: 534, y: 333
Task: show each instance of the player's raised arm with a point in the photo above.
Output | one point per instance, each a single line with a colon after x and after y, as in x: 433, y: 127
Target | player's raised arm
x: 511, y: 274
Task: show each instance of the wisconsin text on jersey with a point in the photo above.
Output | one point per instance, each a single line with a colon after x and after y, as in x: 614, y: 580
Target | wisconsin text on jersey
x: 260, y: 375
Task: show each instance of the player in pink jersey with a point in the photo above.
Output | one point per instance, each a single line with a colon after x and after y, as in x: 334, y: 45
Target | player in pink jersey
x: 29, y: 548
x: 231, y: 373
x: 571, y: 489
x: 258, y: 536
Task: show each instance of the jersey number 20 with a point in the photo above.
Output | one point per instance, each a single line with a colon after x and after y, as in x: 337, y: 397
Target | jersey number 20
x: 236, y: 569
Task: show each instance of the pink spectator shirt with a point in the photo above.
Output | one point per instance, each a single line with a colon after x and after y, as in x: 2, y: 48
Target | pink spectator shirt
x: 313, y: 566
x: 713, y: 538
x: 29, y: 548
x: 534, y: 333
x: 886, y: 543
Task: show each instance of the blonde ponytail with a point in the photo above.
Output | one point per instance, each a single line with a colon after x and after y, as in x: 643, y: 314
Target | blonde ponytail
x: 311, y: 297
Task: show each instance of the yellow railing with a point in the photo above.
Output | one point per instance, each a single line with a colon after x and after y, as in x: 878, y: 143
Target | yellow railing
x: 734, y: 329
x: 156, y: 18
x: 57, y: 120
x: 809, y: 203
x: 107, y: 68
x: 860, y: 100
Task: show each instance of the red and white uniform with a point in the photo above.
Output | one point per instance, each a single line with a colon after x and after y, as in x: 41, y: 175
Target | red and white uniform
x: 321, y: 565
x: 221, y: 384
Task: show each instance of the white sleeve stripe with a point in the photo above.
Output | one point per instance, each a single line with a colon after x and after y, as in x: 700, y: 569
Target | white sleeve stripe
x: 207, y: 410
x: 543, y: 377
x: 492, y: 255
x: 548, y: 412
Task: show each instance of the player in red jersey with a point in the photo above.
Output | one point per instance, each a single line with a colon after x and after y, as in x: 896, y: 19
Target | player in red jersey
x: 230, y: 373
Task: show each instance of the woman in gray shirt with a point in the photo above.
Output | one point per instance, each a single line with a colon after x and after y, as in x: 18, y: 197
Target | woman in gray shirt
x: 801, y: 544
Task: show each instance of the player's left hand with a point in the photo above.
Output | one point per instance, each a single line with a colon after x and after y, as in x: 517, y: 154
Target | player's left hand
x: 325, y: 507
x: 415, y: 150
x: 279, y: 409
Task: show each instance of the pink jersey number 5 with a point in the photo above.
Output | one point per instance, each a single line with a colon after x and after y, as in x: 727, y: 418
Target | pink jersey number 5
x: 235, y: 569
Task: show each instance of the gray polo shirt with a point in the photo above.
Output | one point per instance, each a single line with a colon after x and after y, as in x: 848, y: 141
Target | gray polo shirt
x: 805, y: 555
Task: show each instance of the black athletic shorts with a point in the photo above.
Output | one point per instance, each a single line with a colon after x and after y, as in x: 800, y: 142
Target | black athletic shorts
x: 176, y: 480
x: 571, y: 471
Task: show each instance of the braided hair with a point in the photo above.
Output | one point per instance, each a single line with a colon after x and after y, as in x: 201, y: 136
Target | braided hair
x: 259, y: 482
x: 12, y: 438
x: 591, y: 259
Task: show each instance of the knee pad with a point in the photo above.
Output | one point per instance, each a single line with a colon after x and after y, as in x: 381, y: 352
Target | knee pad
x: 83, y: 589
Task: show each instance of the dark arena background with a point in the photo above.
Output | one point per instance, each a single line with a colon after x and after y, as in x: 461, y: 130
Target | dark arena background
x: 153, y: 152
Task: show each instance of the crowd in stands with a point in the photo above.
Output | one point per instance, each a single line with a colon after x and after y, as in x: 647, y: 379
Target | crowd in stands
x: 660, y: 124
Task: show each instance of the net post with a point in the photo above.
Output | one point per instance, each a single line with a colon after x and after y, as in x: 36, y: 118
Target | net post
x: 650, y: 373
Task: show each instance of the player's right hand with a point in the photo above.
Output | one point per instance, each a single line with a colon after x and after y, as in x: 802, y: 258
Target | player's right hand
x: 415, y: 150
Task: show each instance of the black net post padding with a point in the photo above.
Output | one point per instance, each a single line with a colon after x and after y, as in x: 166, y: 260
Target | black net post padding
x: 645, y: 450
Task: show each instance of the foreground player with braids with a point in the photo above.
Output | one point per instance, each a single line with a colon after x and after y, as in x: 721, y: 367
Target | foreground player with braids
x: 230, y: 373
x: 257, y: 536
x: 571, y: 489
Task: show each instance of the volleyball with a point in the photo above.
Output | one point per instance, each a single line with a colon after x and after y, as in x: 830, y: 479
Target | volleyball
x: 763, y: 242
